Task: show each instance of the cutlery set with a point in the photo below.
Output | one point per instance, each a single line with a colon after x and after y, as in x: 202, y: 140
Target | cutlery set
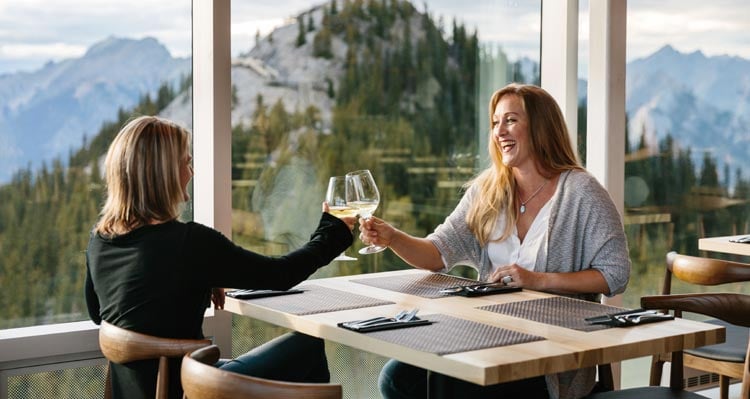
x: 405, y: 318
x: 630, y: 318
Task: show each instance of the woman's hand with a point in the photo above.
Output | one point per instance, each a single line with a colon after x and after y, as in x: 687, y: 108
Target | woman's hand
x: 516, y: 276
x: 217, y: 297
x: 581, y: 282
x: 349, y: 220
x: 376, y: 231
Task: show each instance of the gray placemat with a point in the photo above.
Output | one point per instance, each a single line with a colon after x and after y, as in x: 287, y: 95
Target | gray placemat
x: 449, y: 334
x: 427, y: 285
x: 317, y: 299
x: 559, y: 311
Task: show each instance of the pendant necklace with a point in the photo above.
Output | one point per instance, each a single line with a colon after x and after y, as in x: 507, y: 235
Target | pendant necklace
x: 523, y: 203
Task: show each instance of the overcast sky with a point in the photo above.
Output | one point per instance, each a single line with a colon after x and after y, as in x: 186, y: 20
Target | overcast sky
x: 33, y: 32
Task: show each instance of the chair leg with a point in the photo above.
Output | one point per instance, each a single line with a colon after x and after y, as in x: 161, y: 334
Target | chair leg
x: 606, y: 381
x: 724, y: 387
x: 657, y: 368
x: 108, y: 383
x: 162, y: 379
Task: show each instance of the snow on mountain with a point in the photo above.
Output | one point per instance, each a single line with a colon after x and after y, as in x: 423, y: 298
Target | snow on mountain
x: 279, y: 70
x: 703, y: 102
x: 46, y: 113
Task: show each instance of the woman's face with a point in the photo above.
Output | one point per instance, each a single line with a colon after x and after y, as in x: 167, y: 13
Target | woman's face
x: 510, y: 131
x: 186, y: 173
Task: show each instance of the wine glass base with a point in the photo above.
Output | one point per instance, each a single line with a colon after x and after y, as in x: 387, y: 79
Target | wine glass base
x: 344, y: 258
x: 372, y: 249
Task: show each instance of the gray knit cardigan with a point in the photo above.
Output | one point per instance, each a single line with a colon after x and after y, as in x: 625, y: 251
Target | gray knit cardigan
x: 585, y: 232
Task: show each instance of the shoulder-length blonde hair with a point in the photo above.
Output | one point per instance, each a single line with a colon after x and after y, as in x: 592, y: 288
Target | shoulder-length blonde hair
x: 142, y: 174
x: 550, y: 146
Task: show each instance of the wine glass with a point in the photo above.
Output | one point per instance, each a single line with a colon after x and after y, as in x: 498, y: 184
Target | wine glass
x: 362, y: 194
x: 337, y: 206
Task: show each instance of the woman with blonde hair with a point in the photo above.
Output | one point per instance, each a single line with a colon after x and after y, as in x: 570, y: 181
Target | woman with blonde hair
x: 534, y: 219
x: 151, y: 273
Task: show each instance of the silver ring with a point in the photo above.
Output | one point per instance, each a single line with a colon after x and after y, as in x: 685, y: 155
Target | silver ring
x: 507, y: 280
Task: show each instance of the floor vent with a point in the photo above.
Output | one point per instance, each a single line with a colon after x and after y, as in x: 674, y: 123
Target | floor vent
x: 700, y: 380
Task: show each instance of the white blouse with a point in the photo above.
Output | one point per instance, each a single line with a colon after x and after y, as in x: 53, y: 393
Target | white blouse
x: 512, y: 250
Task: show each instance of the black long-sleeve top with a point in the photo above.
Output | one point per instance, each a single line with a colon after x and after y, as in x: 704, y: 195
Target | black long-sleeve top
x: 157, y: 280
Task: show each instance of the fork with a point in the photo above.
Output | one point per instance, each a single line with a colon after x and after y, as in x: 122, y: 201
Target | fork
x: 636, y: 319
x: 408, y: 316
x: 379, y: 319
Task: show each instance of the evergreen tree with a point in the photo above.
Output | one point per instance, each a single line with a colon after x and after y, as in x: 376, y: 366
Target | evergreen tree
x: 310, y: 22
x: 301, y: 31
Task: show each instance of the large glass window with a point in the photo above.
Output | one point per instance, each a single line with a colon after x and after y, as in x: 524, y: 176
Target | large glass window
x: 687, y: 156
x: 70, y: 75
x: 400, y: 88
x: 397, y: 88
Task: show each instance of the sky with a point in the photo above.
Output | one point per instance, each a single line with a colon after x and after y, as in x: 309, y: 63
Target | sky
x: 33, y: 32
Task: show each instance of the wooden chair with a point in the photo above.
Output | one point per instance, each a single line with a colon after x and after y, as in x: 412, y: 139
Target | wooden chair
x: 724, y: 359
x: 120, y: 345
x: 732, y: 308
x: 201, y: 380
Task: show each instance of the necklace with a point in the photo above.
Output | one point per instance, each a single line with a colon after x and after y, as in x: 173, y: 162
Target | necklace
x: 522, y: 209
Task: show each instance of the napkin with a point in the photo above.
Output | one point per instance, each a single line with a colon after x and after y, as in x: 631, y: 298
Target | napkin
x: 382, y: 323
x: 250, y: 294
x: 630, y: 318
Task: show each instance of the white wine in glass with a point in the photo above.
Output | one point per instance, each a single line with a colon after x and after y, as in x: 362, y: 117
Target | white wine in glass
x: 362, y: 193
x: 337, y: 206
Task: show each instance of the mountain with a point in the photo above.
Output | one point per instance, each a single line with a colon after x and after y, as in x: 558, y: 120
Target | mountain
x: 47, y: 113
x: 280, y: 70
x: 702, y: 102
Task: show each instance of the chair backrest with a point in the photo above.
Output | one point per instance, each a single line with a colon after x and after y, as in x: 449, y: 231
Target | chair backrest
x: 703, y: 271
x: 732, y: 308
x: 120, y: 346
x: 201, y: 380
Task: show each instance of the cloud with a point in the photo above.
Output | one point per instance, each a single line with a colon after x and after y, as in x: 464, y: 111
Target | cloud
x: 716, y: 27
x: 45, y: 51
x: 51, y: 30
x: 33, y: 32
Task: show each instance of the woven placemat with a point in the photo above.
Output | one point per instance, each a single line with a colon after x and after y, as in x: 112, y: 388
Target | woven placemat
x: 449, y: 334
x: 317, y: 299
x: 559, y: 311
x: 427, y: 285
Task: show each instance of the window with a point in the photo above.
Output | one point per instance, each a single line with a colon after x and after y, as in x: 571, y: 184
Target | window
x: 68, y: 83
x: 400, y: 88
x: 70, y: 76
x: 686, y: 164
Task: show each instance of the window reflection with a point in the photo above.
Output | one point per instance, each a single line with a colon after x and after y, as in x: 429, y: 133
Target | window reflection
x: 68, y: 82
x: 686, y: 152
x: 395, y: 87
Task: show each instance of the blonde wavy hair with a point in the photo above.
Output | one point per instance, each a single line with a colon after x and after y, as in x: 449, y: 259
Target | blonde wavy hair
x: 142, y: 175
x: 550, y: 146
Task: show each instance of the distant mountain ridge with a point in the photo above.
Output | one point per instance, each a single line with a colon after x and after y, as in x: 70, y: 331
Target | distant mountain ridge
x: 702, y: 102
x: 46, y: 113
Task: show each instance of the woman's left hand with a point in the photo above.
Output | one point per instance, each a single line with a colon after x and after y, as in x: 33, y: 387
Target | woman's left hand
x: 217, y: 297
x: 514, y: 276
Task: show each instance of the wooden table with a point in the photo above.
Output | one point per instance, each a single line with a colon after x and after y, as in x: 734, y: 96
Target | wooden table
x: 722, y: 244
x: 561, y: 349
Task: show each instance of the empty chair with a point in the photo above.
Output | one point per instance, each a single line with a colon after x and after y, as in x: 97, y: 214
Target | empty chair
x: 201, y: 380
x: 725, y: 359
x: 121, y: 346
x: 732, y: 308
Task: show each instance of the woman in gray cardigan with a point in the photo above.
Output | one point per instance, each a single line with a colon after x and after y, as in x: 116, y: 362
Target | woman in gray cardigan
x: 534, y: 219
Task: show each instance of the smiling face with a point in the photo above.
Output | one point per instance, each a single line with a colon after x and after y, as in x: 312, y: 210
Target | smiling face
x: 510, y: 132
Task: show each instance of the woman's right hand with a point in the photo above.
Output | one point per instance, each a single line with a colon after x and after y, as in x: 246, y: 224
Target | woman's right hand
x: 376, y: 231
